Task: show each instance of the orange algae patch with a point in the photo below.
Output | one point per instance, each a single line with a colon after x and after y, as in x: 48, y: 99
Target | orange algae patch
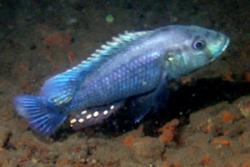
x: 245, y: 164
x: 58, y: 39
x: 221, y: 141
x: 168, y: 131
x: 228, y: 117
x: 247, y: 77
x: 27, y: 87
x: 72, y: 57
x: 129, y: 140
x: 186, y: 80
x: 175, y: 164
x: 228, y: 76
x: 206, y: 160
x: 63, y: 162
x: 208, y: 128
x: 24, y: 68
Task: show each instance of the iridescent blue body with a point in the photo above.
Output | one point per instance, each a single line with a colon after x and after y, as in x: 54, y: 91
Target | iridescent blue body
x: 134, y: 65
x: 123, y: 76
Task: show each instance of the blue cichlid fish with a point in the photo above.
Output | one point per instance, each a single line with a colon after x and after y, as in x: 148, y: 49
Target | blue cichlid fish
x: 136, y: 65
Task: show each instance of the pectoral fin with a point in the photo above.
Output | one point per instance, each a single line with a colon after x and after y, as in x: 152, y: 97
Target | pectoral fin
x: 142, y: 105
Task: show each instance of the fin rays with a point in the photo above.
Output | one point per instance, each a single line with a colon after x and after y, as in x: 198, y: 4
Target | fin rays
x: 60, y: 89
x: 107, y: 50
x: 41, y: 115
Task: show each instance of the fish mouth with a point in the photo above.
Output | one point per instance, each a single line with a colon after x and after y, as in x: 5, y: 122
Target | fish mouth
x: 226, y: 43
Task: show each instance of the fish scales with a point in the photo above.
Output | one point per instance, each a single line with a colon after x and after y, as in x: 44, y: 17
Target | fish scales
x: 135, y: 65
x: 127, y: 80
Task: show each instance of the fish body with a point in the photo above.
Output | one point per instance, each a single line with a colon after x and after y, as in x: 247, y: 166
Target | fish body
x: 134, y: 65
x: 133, y: 70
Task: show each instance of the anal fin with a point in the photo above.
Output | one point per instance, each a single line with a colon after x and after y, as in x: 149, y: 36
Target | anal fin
x: 92, y: 116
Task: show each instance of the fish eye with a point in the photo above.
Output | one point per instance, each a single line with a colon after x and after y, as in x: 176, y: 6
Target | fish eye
x: 199, y: 44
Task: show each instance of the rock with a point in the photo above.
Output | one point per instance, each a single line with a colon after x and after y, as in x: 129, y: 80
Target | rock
x: 168, y: 131
x: 243, y: 104
x: 244, y: 139
x: 106, y: 152
x: 58, y: 39
x: 4, y: 136
x: 148, y: 148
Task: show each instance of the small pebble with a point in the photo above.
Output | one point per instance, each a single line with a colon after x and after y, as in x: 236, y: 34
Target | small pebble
x: 243, y: 105
x: 151, y: 165
x: 72, y: 21
x: 109, y: 18
x: 34, y: 160
x: 93, y: 161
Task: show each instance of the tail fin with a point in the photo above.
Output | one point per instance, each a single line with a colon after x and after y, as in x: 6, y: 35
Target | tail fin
x: 43, y: 117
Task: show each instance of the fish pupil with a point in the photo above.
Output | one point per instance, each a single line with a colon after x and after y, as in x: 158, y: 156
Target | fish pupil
x: 199, y: 45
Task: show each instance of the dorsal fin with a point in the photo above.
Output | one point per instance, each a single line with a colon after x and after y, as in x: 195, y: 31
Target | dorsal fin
x: 108, y: 50
x: 60, y: 88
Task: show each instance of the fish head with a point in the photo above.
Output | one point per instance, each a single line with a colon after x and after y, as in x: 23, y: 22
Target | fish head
x: 193, y: 47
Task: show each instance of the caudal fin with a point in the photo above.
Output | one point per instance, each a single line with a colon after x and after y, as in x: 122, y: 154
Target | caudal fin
x: 43, y: 117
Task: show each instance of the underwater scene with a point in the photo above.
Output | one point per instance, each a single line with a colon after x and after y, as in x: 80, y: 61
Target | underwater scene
x: 124, y: 83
